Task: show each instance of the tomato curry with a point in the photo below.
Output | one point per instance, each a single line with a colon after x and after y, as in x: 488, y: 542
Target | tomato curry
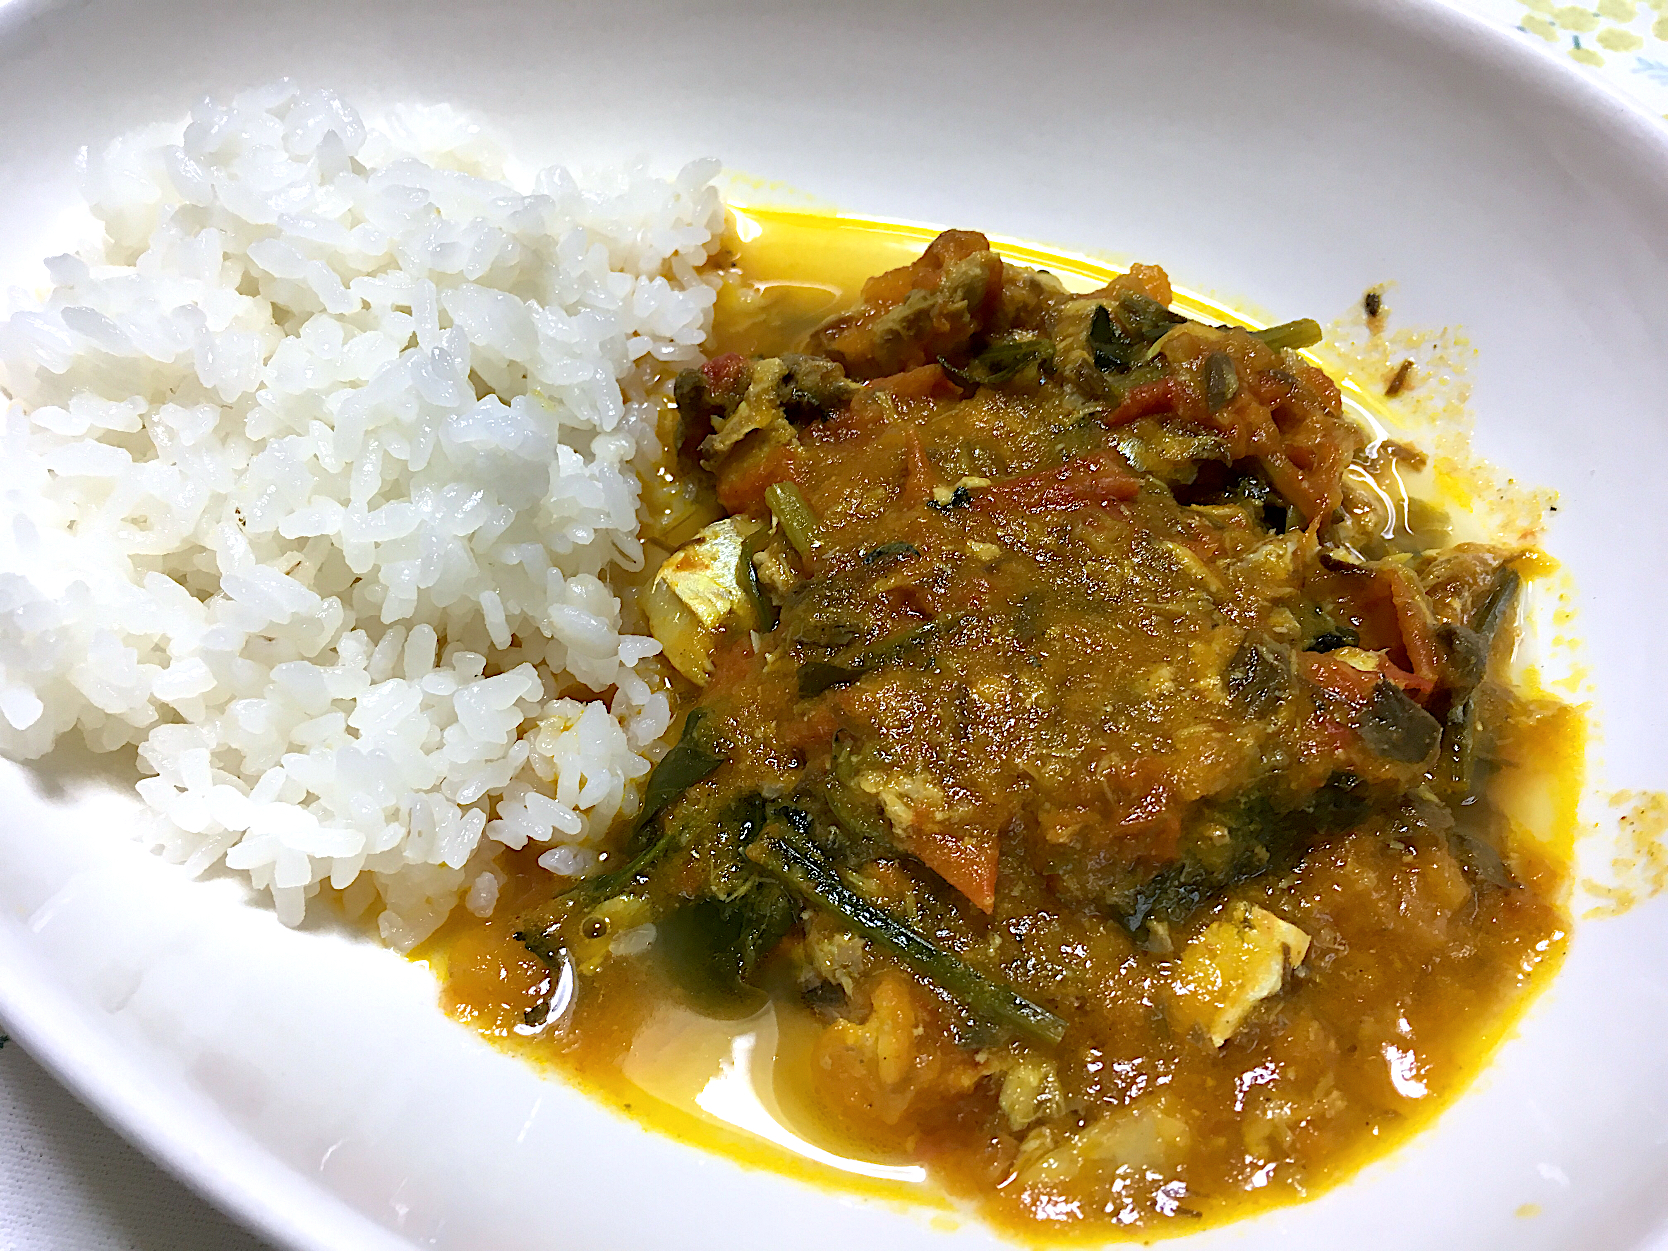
x: 1108, y: 782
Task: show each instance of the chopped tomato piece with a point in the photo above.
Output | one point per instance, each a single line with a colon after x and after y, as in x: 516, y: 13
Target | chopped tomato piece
x: 1100, y: 478
x: 968, y: 865
x: 1339, y: 678
x: 1158, y: 396
x: 742, y: 484
x: 929, y: 382
x: 1415, y: 619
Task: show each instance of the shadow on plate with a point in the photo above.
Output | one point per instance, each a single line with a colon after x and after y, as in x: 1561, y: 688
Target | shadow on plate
x: 72, y: 770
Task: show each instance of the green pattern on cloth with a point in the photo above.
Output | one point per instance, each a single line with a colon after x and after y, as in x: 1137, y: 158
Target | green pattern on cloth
x: 1624, y: 42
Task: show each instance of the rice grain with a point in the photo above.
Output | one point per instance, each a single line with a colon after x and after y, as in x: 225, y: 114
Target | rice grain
x: 312, y: 479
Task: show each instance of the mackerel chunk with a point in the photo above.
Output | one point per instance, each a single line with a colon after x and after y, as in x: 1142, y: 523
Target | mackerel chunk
x: 1233, y: 966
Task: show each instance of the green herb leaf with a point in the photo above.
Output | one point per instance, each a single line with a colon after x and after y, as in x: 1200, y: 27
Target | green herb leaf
x: 1397, y: 728
x: 687, y: 763
x: 961, y: 377
x: 1332, y: 640
x: 1502, y: 595
x: 1118, y: 386
x: 1221, y: 380
x: 1113, y: 349
x: 961, y: 497
x: 593, y: 890
x: 1262, y: 839
x: 827, y: 632
x: 1147, y: 318
x: 817, y: 676
x: 854, y: 810
x: 899, y: 548
x: 713, y: 947
x: 1001, y: 362
x: 895, y: 646
x: 1460, y: 748
x: 1480, y: 857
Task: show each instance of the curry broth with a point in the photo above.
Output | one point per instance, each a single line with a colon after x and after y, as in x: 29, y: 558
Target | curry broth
x: 1411, y: 980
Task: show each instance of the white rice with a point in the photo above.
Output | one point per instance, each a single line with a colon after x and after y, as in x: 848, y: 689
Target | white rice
x: 256, y: 520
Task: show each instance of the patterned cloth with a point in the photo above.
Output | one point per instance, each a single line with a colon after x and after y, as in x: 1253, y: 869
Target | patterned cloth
x: 1624, y: 42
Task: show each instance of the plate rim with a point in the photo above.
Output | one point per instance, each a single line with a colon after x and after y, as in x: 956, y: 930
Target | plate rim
x: 238, y: 1175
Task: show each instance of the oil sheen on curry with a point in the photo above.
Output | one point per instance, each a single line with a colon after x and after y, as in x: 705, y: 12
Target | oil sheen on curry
x: 1101, y: 799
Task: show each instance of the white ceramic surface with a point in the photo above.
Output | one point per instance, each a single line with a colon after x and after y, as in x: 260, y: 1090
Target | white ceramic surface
x: 1285, y: 154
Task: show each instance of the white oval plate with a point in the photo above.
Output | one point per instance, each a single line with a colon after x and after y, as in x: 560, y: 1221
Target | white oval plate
x: 1291, y: 155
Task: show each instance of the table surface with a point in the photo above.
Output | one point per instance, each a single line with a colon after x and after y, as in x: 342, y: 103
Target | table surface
x: 68, y: 1183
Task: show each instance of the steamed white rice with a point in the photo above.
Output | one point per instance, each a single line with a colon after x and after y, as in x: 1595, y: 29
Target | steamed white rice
x: 313, y: 475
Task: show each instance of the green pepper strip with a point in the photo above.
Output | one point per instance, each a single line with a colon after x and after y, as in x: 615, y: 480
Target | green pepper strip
x: 808, y: 874
x: 747, y: 578
x: 593, y: 890
x: 1462, y: 718
x: 1302, y: 333
x: 798, y: 522
x: 1486, y: 621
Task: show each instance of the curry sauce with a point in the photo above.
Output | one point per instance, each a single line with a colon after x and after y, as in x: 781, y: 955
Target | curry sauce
x: 1104, y: 797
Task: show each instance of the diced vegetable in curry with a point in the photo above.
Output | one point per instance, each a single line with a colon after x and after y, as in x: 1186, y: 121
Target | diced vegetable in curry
x: 1075, y: 745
